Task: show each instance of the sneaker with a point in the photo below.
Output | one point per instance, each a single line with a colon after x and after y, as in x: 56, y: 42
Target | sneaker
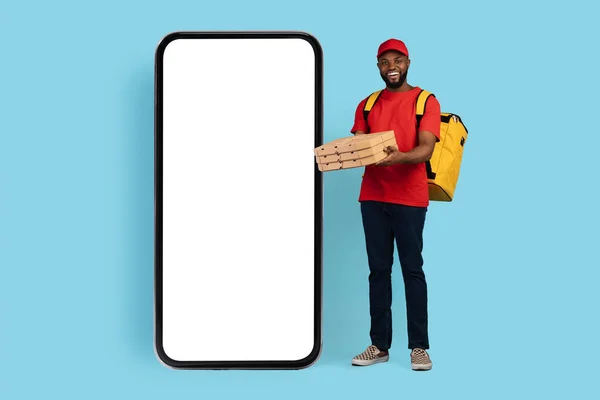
x: 372, y: 355
x: 420, y: 360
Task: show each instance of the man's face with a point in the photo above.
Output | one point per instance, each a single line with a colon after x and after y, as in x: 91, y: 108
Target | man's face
x: 393, y: 67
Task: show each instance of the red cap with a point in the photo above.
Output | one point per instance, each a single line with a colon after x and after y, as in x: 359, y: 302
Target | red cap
x: 392, y: 44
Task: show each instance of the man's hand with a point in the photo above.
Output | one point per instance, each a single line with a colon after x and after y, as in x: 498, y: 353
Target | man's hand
x: 393, y: 156
x: 419, y: 154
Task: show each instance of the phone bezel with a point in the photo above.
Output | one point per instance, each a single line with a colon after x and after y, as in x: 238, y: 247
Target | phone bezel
x: 158, y: 181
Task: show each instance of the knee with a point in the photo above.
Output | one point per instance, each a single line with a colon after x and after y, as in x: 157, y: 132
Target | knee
x: 414, y: 273
x: 412, y: 266
x: 383, y: 274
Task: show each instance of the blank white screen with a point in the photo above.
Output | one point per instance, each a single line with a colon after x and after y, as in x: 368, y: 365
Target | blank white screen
x: 238, y: 199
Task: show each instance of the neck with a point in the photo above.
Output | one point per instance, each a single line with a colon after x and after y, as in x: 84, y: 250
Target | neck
x: 404, y: 88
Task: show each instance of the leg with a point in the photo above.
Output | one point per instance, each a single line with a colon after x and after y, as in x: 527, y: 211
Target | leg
x: 408, y: 223
x: 380, y: 252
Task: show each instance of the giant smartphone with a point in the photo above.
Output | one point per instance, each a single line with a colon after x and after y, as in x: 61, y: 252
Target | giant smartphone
x: 238, y: 200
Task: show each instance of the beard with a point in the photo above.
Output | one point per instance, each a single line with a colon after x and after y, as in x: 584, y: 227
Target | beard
x: 394, y: 85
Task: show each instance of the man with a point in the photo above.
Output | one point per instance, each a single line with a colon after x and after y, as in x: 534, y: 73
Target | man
x: 394, y: 197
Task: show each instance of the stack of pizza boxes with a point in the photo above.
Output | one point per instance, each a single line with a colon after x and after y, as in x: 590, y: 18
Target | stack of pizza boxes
x: 354, y: 151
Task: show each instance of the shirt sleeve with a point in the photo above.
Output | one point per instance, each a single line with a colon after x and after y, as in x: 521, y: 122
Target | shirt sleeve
x: 432, y: 118
x: 359, y: 120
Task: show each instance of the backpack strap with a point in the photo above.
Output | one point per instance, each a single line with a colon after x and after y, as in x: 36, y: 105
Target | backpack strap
x: 371, y: 100
x: 420, y: 106
x: 420, y: 110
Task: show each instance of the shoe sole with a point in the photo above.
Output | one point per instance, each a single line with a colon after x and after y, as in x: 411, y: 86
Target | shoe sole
x: 364, y: 363
x: 421, y: 367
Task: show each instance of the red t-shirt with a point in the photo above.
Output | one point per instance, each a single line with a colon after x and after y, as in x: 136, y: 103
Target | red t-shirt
x: 400, y: 183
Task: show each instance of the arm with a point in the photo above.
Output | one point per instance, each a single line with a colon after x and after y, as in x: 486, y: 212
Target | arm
x: 419, y: 154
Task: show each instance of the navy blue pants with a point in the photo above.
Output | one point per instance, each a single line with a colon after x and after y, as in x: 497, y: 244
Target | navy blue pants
x: 384, y: 224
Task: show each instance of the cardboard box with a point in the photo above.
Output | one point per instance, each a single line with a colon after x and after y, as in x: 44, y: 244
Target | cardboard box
x: 354, y: 151
x: 354, y: 143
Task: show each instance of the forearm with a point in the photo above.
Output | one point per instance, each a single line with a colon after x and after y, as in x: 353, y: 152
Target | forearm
x: 419, y: 154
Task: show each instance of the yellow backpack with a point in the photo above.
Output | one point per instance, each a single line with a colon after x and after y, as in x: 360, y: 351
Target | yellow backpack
x: 444, y: 167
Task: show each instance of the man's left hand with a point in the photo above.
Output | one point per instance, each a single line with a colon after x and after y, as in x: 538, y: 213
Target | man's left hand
x: 393, y: 156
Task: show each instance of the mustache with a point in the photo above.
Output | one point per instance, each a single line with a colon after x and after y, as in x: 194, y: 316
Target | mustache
x: 394, y: 70
x: 400, y: 82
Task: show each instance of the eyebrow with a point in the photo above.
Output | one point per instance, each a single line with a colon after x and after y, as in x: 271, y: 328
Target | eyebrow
x: 397, y: 58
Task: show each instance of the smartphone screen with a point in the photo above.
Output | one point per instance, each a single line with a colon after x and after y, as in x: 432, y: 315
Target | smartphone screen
x: 238, y: 200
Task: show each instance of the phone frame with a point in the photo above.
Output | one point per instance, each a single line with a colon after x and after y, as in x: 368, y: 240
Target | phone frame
x: 158, y: 202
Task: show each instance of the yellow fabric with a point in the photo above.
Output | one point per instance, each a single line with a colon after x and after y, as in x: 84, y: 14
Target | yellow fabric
x: 447, y: 156
x: 371, y: 100
x: 423, y: 96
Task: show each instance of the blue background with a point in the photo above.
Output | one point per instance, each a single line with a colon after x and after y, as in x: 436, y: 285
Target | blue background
x: 512, y: 263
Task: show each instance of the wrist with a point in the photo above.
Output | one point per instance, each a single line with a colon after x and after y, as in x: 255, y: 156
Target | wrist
x: 401, y: 158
